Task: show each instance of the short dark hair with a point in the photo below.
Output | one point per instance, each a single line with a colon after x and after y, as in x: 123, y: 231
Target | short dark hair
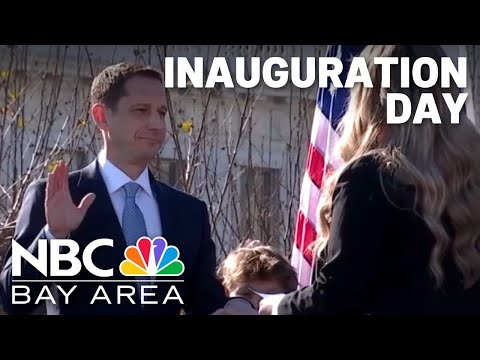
x: 109, y: 85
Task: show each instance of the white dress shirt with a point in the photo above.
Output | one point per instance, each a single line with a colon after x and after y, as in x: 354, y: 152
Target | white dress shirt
x: 115, y: 179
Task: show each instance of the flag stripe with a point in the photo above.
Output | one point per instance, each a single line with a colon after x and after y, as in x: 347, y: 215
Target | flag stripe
x: 299, y: 262
x: 309, y: 197
x: 325, y: 137
x: 315, y: 165
x: 306, y: 235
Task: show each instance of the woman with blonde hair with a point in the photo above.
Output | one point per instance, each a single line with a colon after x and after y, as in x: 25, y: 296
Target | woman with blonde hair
x: 399, y: 222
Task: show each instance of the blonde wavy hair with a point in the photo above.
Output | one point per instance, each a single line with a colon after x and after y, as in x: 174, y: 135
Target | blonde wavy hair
x: 441, y: 161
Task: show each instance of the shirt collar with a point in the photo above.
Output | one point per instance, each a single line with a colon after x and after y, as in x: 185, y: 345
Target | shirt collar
x: 115, y: 178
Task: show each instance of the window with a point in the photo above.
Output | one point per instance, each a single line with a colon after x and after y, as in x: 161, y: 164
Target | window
x: 260, y: 204
x: 77, y: 159
x: 170, y: 172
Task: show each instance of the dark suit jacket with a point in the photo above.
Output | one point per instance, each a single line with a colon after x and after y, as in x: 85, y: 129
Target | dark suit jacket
x: 185, y: 224
x: 378, y: 254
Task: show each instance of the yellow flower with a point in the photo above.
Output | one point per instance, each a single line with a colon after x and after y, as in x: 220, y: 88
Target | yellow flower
x: 21, y: 123
x: 4, y: 74
x: 52, y: 164
x: 186, y: 126
x: 14, y: 95
x: 82, y: 122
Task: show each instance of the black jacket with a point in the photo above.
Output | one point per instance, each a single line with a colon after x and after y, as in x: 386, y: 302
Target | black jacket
x: 378, y: 255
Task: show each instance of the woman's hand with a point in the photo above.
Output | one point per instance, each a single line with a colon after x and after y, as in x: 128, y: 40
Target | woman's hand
x: 269, y: 304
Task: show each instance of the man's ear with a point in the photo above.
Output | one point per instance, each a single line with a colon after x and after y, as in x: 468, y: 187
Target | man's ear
x: 99, y: 114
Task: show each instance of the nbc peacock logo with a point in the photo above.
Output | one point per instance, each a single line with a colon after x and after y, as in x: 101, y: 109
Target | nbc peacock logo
x: 152, y: 258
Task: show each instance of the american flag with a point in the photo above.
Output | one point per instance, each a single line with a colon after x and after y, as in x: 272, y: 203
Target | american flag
x: 328, y: 113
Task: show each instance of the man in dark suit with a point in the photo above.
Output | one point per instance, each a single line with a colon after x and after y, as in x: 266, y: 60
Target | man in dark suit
x: 118, y: 198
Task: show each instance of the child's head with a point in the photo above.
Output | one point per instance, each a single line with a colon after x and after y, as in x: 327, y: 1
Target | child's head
x: 258, y: 267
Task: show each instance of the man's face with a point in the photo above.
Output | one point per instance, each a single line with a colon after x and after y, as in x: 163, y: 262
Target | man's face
x: 262, y: 286
x: 136, y: 128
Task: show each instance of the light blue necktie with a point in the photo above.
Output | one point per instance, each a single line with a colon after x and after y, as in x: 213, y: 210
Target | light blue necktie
x: 133, y: 223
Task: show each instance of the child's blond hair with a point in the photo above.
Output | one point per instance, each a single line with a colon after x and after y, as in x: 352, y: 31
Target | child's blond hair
x: 255, y: 261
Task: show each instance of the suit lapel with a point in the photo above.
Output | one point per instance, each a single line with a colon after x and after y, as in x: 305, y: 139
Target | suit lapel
x: 168, y: 221
x: 162, y: 198
x: 166, y: 209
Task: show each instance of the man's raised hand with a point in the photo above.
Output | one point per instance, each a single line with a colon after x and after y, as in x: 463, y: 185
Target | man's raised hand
x: 62, y: 215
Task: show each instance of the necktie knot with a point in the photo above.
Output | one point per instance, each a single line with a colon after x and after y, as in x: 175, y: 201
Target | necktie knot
x: 131, y: 190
